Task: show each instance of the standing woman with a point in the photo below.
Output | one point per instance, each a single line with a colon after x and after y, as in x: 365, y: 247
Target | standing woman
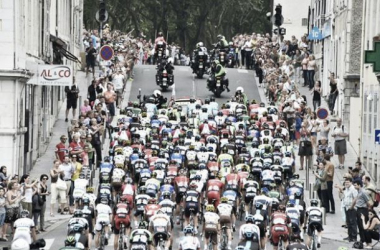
x: 305, y: 146
x: 3, y: 176
x: 56, y: 173
x: 321, y: 175
x: 314, y: 124
x: 297, y: 66
x: 27, y: 188
x: 13, y: 199
x: 311, y: 67
x: 317, y: 91
x: 333, y: 92
x: 43, y: 191
x: 305, y: 62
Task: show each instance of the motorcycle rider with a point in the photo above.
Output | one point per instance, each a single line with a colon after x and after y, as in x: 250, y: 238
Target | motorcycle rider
x: 160, y: 41
x: 159, y: 99
x: 218, y: 70
x: 199, y: 48
x: 222, y: 43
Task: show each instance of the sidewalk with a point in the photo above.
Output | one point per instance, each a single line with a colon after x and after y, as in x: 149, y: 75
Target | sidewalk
x: 332, y: 229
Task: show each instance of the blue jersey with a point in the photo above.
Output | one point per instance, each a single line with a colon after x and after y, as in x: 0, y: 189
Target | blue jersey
x: 106, y: 167
x: 230, y: 194
x: 167, y: 188
x: 134, y: 157
x: 177, y: 157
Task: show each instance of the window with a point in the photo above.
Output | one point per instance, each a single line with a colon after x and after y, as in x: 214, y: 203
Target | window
x: 365, y: 102
x: 304, y: 21
x: 375, y: 103
x: 370, y: 123
x: 375, y: 121
x: 365, y: 123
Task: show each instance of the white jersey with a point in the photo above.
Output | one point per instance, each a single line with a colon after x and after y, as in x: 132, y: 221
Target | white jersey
x: 314, y: 214
x: 23, y: 226
x: 119, y: 159
x: 293, y: 213
x: 103, y: 212
x: 91, y: 197
x: 79, y: 188
x: 266, y: 201
x: 252, y: 228
x: 117, y: 175
x: 159, y: 220
x: 225, y: 209
x: 267, y: 175
x: 189, y: 243
x: 211, y: 218
x: 167, y: 206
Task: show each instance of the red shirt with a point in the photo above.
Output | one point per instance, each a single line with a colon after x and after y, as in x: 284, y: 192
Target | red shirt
x: 74, y: 146
x: 215, y: 185
x: 233, y: 179
x: 61, y: 150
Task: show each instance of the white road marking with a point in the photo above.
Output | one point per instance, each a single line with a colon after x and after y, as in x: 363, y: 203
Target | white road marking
x: 243, y: 71
x: 49, y: 243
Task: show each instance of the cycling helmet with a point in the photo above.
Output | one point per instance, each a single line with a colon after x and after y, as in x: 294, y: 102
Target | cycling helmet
x: 249, y: 218
x: 224, y: 200
x: 24, y: 214
x: 78, y: 213
x: 160, y: 34
x: 281, y: 208
x: 70, y: 241
x: 224, y: 150
x: 288, y: 154
x: 314, y: 203
x: 154, y: 175
x: 166, y: 195
x: 86, y: 201
x: 90, y: 190
x: 298, y: 195
x: 143, y: 225
x: 142, y: 190
x: 104, y: 200
x: 193, y: 185
x: 106, y: 159
x: 220, y: 37
x: 210, y: 208
x: 188, y: 230
x: 259, y: 206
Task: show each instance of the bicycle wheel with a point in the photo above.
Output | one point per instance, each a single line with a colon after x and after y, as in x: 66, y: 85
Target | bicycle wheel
x: 314, y: 241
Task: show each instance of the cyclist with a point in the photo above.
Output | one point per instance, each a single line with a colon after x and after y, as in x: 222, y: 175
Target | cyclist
x: 141, y: 236
x: 192, y: 204
x: 140, y: 201
x: 214, y: 190
x: 151, y: 208
x: 70, y: 243
x: 103, y: 215
x: 190, y: 241
x: 79, y: 225
x: 167, y: 205
x: 159, y: 226
x: 211, y: 227
x: 24, y: 230
x: 280, y: 226
x: 181, y: 183
x: 89, y: 215
x: 117, y: 181
x: 261, y: 220
x: 225, y: 214
x: 314, y: 215
x: 121, y: 215
x: 152, y: 185
x: 250, y: 232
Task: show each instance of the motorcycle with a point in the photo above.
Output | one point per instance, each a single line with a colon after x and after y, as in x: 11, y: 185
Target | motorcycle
x: 160, y: 51
x: 222, y: 57
x: 164, y: 79
x: 217, y: 84
x: 231, y: 59
x: 202, y: 60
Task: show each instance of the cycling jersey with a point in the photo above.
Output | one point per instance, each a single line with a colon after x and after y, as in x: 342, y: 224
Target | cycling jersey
x: 23, y: 227
x: 189, y: 243
x: 104, y: 212
x: 247, y: 230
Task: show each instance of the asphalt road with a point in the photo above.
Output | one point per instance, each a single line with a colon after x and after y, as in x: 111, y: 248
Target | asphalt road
x: 188, y: 86
x: 185, y: 85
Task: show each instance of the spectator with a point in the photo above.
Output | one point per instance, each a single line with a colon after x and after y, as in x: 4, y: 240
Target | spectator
x: 330, y: 206
x: 361, y: 206
x: 314, y: 124
x: 317, y: 92
x: 43, y: 191
x: 333, y: 92
x: 91, y: 58
x: 118, y: 82
x: 339, y: 134
x: 297, y: 66
x: 358, y: 165
x: 355, y: 176
x: 324, y: 129
x: 2, y: 214
x: 110, y: 98
x: 85, y: 107
x: 13, y: 198
x: 28, y: 189
x: 60, y: 149
x: 305, y: 146
x: 90, y: 151
x: 56, y: 173
x: 370, y: 189
x: 321, y: 176
x: 371, y: 228
x: 3, y: 176
x: 75, y: 146
x: 349, y: 196
x: 93, y: 90
x: 96, y: 131
x: 311, y: 68
x: 72, y: 94
x: 68, y: 170
x: 305, y: 62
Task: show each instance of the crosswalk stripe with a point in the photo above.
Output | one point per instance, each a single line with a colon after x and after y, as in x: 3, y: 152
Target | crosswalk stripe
x: 49, y: 243
x: 243, y: 71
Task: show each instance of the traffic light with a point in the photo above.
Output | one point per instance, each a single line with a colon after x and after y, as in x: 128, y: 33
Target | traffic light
x: 102, y: 11
x: 278, y: 18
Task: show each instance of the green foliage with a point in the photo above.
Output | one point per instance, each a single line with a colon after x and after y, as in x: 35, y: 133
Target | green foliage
x: 182, y: 21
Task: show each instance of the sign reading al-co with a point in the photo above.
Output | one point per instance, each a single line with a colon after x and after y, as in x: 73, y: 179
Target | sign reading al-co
x: 55, y: 75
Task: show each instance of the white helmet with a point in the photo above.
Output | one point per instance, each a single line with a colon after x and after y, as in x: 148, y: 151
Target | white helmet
x: 157, y: 93
x: 200, y: 44
x: 240, y: 89
x: 171, y: 60
x: 20, y: 244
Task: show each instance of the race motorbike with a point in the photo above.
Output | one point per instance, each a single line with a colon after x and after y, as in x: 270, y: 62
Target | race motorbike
x: 217, y: 84
x: 231, y: 58
x: 160, y: 51
x: 222, y: 57
x: 164, y: 79
x: 201, y: 61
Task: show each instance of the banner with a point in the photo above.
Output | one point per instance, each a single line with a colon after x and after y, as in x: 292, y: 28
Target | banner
x: 55, y: 75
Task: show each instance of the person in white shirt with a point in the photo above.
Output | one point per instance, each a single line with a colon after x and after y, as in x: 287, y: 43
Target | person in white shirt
x: 211, y: 227
x: 340, y: 133
x: 118, y: 82
x: 225, y: 213
x: 103, y: 214
x: 24, y: 229
x: 189, y: 242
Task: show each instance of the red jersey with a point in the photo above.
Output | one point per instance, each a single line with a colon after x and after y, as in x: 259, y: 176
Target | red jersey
x: 233, y: 179
x: 181, y: 182
x: 215, y: 185
x: 213, y: 166
x: 121, y: 210
x: 172, y: 171
x: 62, y: 151
x: 242, y: 177
x: 151, y: 209
x: 279, y: 218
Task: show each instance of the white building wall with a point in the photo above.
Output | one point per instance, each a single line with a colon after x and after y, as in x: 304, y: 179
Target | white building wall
x: 293, y: 11
x: 25, y: 43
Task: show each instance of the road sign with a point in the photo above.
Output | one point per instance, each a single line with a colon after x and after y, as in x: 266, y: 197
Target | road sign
x: 106, y: 53
x: 373, y: 57
x: 377, y: 136
x: 282, y: 31
x: 315, y: 34
x: 97, y: 16
x: 322, y: 113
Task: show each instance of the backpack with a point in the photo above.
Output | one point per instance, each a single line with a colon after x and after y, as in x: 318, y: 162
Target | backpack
x: 377, y: 197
